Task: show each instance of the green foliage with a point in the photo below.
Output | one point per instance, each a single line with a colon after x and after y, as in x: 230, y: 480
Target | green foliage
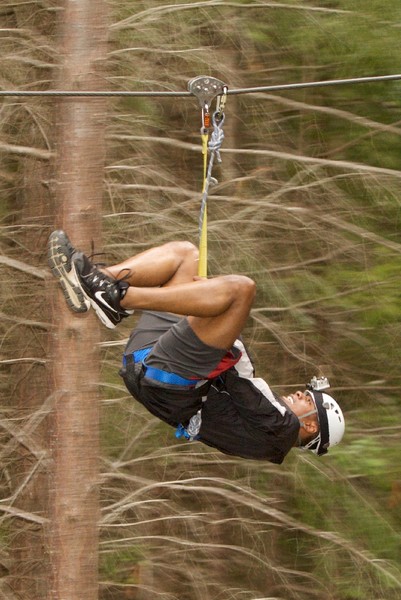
x: 321, y: 241
x: 121, y: 566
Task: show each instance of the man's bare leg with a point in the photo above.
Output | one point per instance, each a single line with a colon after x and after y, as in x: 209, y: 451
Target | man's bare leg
x: 164, y: 279
x: 169, y: 264
x: 218, y: 307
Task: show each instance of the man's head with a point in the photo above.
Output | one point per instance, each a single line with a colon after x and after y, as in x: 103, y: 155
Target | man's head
x: 320, y: 418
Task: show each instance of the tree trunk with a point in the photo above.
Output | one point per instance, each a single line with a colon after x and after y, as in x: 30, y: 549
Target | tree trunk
x: 75, y: 437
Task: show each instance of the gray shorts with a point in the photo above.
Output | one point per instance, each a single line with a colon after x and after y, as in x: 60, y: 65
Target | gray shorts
x: 175, y: 349
x: 175, y: 346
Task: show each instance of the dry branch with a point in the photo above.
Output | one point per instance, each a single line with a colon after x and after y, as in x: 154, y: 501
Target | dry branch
x: 22, y: 514
x: 21, y: 266
x: 335, y: 112
x: 238, y: 495
x: 286, y: 156
x: 152, y: 14
x: 25, y: 322
x: 26, y: 151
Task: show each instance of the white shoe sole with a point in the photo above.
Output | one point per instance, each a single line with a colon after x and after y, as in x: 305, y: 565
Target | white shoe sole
x: 59, y: 260
x: 99, y: 312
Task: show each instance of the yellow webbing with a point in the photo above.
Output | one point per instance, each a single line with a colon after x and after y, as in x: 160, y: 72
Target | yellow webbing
x: 202, y: 267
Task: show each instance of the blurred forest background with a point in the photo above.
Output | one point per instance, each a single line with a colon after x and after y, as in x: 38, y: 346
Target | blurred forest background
x: 308, y: 204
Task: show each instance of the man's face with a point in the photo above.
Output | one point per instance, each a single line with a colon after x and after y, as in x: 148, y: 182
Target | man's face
x: 301, y: 403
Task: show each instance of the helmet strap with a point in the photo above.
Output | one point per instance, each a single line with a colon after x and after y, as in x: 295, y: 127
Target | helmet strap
x: 308, y: 414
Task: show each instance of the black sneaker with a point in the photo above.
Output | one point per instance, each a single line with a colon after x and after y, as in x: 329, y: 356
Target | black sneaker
x: 59, y: 254
x: 103, y: 292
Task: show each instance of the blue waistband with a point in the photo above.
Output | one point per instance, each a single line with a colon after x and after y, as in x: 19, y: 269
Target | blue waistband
x: 166, y: 377
x: 140, y: 355
x: 159, y: 374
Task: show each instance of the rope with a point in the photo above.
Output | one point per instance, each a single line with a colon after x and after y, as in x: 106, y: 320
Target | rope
x: 251, y: 90
x: 216, y: 139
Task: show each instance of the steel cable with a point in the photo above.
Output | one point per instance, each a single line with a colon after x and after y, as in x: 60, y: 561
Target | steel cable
x: 175, y: 94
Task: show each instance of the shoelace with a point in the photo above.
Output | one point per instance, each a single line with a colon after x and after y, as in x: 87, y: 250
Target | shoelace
x: 103, y: 280
x: 99, y: 266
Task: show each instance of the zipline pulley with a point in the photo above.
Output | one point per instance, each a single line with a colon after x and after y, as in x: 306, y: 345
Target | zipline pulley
x: 206, y: 89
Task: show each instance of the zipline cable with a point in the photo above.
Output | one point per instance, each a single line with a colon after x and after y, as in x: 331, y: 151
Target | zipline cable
x: 176, y: 94
x: 312, y: 84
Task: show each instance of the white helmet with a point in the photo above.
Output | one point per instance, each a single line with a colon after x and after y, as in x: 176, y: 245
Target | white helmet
x: 331, y: 423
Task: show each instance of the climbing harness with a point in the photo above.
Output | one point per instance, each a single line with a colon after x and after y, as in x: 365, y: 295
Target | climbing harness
x: 191, y: 431
x: 139, y: 356
x: 206, y: 89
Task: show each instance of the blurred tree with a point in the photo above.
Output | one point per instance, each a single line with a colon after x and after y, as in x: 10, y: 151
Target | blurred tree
x: 27, y: 211
x: 74, y: 498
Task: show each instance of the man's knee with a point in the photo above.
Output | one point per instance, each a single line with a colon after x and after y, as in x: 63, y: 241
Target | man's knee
x: 243, y: 287
x: 183, y: 249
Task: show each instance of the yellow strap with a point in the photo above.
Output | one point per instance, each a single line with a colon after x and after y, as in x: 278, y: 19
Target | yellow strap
x: 205, y: 140
x: 202, y: 267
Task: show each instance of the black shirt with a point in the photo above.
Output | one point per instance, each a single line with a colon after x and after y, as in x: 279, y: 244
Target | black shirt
x: 243, y: 417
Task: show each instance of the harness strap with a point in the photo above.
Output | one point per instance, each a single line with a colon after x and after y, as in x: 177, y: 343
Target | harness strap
x: 170, y: 378
x: 214, y: 146
x: 202, y: 265
x: 139, y: 356
x: 191, y: 432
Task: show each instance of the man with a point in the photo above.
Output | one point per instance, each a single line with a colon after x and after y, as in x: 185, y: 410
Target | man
x: 184, y: 360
